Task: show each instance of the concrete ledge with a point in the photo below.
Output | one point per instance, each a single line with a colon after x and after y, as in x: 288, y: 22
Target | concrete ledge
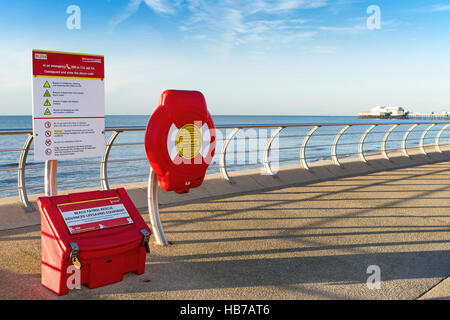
x: 12, y: 214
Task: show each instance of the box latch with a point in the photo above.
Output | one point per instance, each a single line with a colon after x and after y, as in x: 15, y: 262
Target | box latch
x: 74, y: 255
x: 146, y: 235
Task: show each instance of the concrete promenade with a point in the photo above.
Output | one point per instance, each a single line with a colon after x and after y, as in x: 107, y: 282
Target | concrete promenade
x: 309, y: 241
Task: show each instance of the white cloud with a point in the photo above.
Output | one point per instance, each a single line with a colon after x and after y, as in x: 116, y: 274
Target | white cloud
x: 159, y: 6
x: 286, y: 5
x: 131, y: 8
x: 441, y: 7
x: 344, y: 30
x: 432, y: 8
x: 238, y: 22
x: 229, y: 23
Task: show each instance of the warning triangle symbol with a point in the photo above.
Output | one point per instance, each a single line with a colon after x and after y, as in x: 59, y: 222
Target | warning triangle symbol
x: 47, y: 112
x: 47, y: 94
x: 46, y: 85
x: 47, y: 103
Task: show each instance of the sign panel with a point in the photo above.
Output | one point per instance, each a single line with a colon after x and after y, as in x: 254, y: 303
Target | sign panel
x: 68, y: 105
x: 91, y: 215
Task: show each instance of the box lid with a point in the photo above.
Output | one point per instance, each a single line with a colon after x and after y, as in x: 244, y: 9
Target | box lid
x: 95, y: 220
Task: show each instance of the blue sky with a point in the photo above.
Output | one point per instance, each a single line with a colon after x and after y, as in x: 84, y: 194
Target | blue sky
x: 312, y: 57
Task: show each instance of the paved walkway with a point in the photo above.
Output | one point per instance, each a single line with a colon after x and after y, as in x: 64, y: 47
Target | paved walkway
x: 306, y: 242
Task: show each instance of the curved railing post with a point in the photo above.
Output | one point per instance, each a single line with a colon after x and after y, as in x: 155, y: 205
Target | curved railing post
x: 267, y: 151
x: 50, y: 178
x: 361, y: 143
x: 405, y: 139
x: 335, y: 143
x: 385, y: 138
x: 222, y: 163
x: 153, y: 209
x: 104, y: 165
x: 422, y: 139
x: 21, y: 183
x: 303, y: 147
x: 438, y: 137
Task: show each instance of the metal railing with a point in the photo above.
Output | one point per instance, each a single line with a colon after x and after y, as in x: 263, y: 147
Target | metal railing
x: 232, y: 133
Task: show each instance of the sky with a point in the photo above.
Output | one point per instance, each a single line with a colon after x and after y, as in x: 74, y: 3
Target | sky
x: 285, y: 57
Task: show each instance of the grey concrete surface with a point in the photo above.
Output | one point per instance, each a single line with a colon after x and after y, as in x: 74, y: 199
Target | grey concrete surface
x: 310, y: 241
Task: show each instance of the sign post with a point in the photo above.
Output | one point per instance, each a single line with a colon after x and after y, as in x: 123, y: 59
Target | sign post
x: 153, y: 209
x: 68, y: 108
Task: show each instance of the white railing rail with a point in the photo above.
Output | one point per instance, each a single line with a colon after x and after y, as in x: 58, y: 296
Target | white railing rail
x: 50, y: 183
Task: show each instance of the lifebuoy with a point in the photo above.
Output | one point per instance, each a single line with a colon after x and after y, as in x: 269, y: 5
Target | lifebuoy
x: 180, y: 140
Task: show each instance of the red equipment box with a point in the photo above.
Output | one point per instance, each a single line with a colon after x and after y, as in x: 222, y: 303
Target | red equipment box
x: 101, y: 233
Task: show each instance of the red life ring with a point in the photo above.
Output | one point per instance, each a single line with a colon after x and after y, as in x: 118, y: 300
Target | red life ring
x: 180, y: 140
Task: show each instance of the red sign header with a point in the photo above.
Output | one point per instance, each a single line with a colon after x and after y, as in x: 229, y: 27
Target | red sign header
x: 67, y: 65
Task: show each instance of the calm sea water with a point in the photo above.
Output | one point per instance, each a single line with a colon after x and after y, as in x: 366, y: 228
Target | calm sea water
x: 246, y: 151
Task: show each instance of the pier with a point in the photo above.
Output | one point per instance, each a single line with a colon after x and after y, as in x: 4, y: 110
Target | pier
x: 309, y: 230
x: 415, y: 116
x: 429, y: 116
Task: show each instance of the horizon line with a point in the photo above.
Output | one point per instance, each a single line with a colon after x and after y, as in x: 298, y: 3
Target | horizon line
x: 232, y: 115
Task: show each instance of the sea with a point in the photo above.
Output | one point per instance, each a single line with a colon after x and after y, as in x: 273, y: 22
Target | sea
x: 128, y: 161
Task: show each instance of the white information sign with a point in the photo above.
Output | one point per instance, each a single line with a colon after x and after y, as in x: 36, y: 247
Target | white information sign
x: 68, y: 105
